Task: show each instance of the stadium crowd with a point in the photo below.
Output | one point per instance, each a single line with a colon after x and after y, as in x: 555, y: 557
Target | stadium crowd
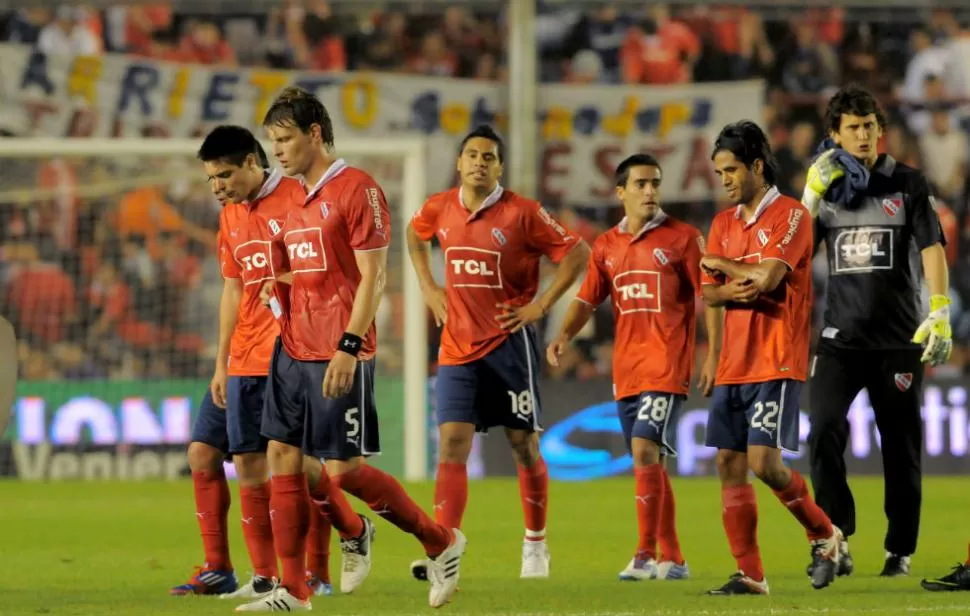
x: 123, y: 283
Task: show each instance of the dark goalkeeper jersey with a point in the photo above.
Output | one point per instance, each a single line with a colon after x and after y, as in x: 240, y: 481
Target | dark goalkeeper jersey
x: 875, y: 270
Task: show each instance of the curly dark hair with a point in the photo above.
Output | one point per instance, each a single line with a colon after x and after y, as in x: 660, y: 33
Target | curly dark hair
x: 852, y: 100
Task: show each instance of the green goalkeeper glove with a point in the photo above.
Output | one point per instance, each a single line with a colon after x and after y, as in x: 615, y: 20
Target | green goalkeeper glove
x: 823, y: 172
x: 936, y: 328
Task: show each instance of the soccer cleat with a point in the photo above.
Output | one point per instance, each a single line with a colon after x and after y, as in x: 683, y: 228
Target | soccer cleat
x: 207, y: 582
x: 669, y: 570
x: 957, y: 579
x: 535, y: 559
x: 278, y: 600
x: 826, y: 559
x: 419, y: 569
x: 256, y: 588
x: 318, y: 586
x: 444, y: 570
x: 356, y: 558
x: 740, y: 584
x: 639, y: 570
x: 846, y: 564
x: 895, y: 566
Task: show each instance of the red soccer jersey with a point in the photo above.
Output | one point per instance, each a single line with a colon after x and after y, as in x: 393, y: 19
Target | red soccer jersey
x: 652, y: 280
x: 246, y: 232
x: 768, y: 339
x: 491, y: 256
x: 346, y: 212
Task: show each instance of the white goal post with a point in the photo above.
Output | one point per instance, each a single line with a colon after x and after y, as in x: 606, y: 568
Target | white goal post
x: 412, y: 150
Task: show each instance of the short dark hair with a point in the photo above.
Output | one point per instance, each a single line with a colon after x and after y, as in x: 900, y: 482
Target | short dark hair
x: 748, y: 143
x: 231, y: 144
x: 484, y: 131
x: 622, y: 173
x: 297, y: 107
x: 852, y: 100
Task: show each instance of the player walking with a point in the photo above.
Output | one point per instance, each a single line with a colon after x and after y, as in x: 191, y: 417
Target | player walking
x: 872, y: 332
x: 255, y: 203
x: 320, y: 394
x: 489, y: 360
x: 758, y: 267
x: 649, y: 267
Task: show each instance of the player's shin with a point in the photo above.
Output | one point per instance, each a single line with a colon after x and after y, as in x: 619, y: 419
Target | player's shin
x: 648, y: 475
x: 451, y: 493
x: 533, y: 483
x: 667, y: 532
x: 327, y: 495
x: 739, y: 512
x: 289, y: 513
x: 212, y: 501
x: 796, y: 498
x: 386, y: 497
x: 318, y: 545
x: 257, y: 529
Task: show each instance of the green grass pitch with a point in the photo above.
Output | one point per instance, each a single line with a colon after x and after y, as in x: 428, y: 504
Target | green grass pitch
x: 116, y: 548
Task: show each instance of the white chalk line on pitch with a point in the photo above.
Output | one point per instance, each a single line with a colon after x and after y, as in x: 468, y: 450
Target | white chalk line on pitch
x: 914, y: 609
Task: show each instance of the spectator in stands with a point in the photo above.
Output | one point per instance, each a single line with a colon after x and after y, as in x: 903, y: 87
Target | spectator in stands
x: 68, y: 35
x: 944, y: 153
x: 434, y: 58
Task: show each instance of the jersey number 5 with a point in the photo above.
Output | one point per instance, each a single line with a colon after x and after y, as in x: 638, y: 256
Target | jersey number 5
x: 353, y: 423
x: 654, y: 408
x: 765, y: 415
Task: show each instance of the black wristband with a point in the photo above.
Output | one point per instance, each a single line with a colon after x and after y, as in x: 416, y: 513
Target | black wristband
x: 350, y: 344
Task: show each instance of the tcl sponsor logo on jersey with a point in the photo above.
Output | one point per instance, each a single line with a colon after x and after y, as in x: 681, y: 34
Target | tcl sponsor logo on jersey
x: 304, y: 247
x: 637, y: 291
x: 473, y: 267
x: 253, y: 257
x: 863, y: 250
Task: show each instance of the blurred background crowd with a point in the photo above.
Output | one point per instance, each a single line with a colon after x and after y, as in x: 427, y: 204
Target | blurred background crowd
x: 120, y: 281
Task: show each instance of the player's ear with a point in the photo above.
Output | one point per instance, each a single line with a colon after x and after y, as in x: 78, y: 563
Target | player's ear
x: 758, y: 166
x: 316, y: 134
x: 619, y: 190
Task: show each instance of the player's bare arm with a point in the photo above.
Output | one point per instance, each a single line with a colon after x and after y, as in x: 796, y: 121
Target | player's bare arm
x: 764, y: 276
x: 738, y: 290
x: 228, y: 316
x: 572, y: 265
x: 713, y: 324
x: 434, y: 295
x: 935, y: 269
x: 576, y: 318
x: 373, y: 275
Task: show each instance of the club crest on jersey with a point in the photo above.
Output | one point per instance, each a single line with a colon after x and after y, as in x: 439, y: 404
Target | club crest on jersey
x: 661, y: 256
x: 762, y: 237
x: 325, y: 209
x: 891, y: 206
x: 275, y: 226
x: 903, y: 380
x: 498, y: 237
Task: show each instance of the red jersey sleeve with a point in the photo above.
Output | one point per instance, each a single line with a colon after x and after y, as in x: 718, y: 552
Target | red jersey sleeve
x: 228, y: 265
x: 546, y: 234
x: 713, y: 241
x: 368, y: 216
x: 692, y: 261
x: 425, y: 221
x: 791, y: 236
x: 596, y: 285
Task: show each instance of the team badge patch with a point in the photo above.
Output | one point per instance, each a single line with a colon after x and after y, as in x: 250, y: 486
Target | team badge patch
x: 762, y: 237
x: 661, y: 256
x: 891, y: 206
x: 903, y: 380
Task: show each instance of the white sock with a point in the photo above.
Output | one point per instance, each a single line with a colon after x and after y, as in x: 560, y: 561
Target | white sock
x: 535, y: 535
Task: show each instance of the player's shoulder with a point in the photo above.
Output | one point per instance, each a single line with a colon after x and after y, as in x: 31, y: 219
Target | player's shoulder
x: 786, y: 207
x: 442, y: 198
x: 724, y: 217
x: 355, y: 177
x: 289, y: 193
x: 231, y: 213
x: 606, y: 240
x: 681, y: 228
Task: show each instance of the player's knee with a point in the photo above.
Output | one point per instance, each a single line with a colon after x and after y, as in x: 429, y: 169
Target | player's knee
x: 645, y: 452
x: 767, y: 465
x: 335, y: 468
x: 732, y: 467
x: 284, y: 459
x: 455, y: 442
x: 204, y: 458
x: 251, y: 468
x: 525, y: 447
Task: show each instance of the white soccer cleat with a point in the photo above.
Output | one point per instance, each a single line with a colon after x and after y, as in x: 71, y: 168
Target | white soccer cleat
x: 256, y: 588
x: 669, y: 570
x: 639, y: 570
x: 535, y: 559
x: 356, y: 556
x: 444, y: 571
x: 278, y: 600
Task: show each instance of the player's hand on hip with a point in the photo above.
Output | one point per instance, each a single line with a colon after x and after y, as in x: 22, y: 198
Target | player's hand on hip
x: 708, y: 371
x: 514, y: 318
x: 266, y: 292
x: 742, y: 291
x: 437, y: 301
x: 823, y: 172
x: 555, y: 350
x: 936, y: 332
x: 339, y: 379
x: 217, y: 387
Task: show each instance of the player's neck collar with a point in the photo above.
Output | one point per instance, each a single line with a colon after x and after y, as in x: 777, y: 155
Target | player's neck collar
x: 270, y: 184
x: 335, y: 169
x: 885, y: 165
x: 653, y: 223
x: 492, y: 198
x: 770, y: 195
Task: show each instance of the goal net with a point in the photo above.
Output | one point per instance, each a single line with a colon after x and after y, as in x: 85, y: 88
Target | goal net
x: 110, y: 278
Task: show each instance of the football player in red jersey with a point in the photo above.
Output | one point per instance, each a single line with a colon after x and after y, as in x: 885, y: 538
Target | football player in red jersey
x: 490, y: 361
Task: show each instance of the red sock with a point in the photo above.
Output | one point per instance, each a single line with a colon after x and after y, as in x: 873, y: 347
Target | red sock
x: 333, y: 502
x: 258, y: 529
x: 968, y: 556
x: 385, y: 496
x: 318, y: 543
x: 667, y: 531
x: 534, y: 492
x: 290, y: 514
x: 649, y: 481
x: 740, y: 516
x: 450, y: 494
x: 212, y: 509
x: 796, y: 498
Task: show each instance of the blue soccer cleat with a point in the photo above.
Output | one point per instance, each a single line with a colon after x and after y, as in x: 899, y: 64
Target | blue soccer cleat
x: 207, y: 582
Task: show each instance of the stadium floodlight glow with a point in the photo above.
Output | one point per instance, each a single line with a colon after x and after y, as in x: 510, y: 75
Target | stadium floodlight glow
x: 409, y: 151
